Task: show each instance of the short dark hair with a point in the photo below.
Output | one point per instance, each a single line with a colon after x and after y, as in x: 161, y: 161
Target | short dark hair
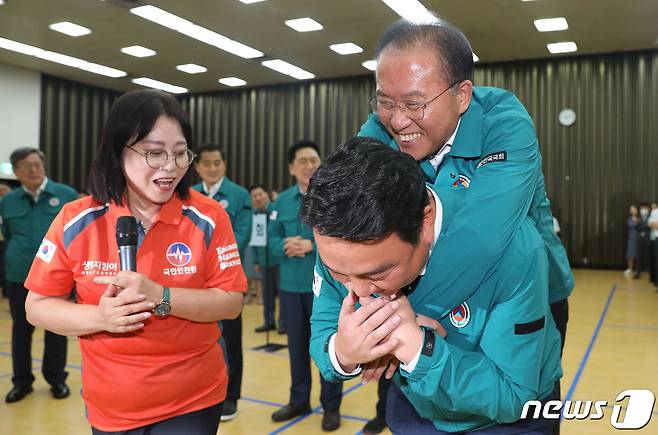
x: 453, y: 50
x: 21, y: 153
x: 258, y: 186
x: 304, y: 143
x: 366, y: 191
x: 130, y: 120
x: 209, y: 148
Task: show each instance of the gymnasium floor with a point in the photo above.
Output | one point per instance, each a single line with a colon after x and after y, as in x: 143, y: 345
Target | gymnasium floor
x: 612, y: 346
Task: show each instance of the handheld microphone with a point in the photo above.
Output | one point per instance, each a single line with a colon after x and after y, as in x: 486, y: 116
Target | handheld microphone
x: 127, y: 242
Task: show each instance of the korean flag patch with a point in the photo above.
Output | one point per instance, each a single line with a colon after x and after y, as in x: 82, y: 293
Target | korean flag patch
x: 317, y: 283
x: 46, y: 251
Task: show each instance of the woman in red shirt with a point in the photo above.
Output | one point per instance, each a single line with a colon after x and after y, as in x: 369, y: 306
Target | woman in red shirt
x: 149, y: 339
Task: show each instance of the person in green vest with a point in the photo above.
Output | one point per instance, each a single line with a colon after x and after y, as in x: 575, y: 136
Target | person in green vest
x: 480, y: 141
x: 266, y: 264
x: 211, y: 167
x: 291, y: 243
x: 26, y: 214
x: 381, y: 236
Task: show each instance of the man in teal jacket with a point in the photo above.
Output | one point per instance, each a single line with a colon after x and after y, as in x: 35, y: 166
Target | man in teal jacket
x: 211, y: 167
x: 26, y: 214
x: 291, y: 242
x: 266, y: 264
x: 379, y: 234
x: 478, y: 140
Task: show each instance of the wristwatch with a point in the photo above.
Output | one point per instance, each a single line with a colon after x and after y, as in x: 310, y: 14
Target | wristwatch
x: 163, y: 309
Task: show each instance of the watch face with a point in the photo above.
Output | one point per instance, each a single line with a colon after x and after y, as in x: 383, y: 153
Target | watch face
x: 162, y: 309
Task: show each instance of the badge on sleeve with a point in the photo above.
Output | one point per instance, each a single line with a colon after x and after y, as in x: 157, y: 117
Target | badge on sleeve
x: 317, y: 283
x: 224, y: 203
x: 460, y: 316
x: 54, y: 202
x: 46, y: 251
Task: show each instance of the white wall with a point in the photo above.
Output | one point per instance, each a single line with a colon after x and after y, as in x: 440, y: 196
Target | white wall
x: 20, y: 102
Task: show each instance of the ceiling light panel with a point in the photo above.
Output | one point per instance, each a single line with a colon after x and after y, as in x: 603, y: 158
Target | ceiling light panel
x: 551, y: 24
x: 288, y: 69
x: 232, y: 81
x: 191, y: 68
x: 155, y: 84
x: 188, y: 28
x: 138, y: 51
x: 562, y: 47
x: 346, y: 48
x: 412, y: 10
x: 476, y: 58
x: 370, y: 64
x: 304, y: 24
x: 62, y: 59
x: 248, y: 2
x: 70, y: 29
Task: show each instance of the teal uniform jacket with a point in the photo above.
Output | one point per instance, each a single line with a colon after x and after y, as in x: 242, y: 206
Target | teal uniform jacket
x: 263, y: 257
x: 495, y: 157
x: 296, y: 272
x: 237, y: 202
x: 24, y: 225
x: 502, y: 347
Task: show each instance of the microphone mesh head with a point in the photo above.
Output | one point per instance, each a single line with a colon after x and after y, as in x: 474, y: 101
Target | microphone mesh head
x: 126, y: 231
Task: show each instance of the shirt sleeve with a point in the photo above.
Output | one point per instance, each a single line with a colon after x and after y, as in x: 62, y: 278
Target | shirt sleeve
x: 51, y: 273
x: 222, y: 263
x: 518, y: 346
x: 327, y: 302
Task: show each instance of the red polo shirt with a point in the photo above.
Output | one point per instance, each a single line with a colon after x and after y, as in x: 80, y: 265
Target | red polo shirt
x: 173, y: 366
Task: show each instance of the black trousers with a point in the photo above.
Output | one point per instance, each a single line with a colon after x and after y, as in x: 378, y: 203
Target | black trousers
x: 653, y: 261
x: 642, y: 256
x: 560, y: 312
x: 298, y: 307
x: 201, y: 422
x: 270, y: 281
x: 54, y: 355
x: 232, y: 334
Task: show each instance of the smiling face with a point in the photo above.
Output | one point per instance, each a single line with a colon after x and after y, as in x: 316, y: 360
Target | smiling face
x: 155, y: 185
x: 413, y: 75
x: 304, y: 166
x: 211, y: 167
x: 30, y: 171
x: 259, y: 198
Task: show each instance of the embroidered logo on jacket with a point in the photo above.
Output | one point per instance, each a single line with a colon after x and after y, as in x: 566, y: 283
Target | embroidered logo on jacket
x: 460, y: 316
x: 179, y: 254
x: 463, y: 180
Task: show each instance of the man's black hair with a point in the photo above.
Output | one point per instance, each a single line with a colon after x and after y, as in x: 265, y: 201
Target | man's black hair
x: 305, y: 143
x: 209, y: 148
x: 366, y: 191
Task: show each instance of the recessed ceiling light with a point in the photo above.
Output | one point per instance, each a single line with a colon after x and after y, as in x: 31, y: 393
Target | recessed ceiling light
x: 188, y: 28
x: 2, y: 2
x: 346, y: 48
x: 248, y: 2
x: 63, y: 59
x: 412, y: 10
x: 191, y: 68
x: 370, y: 64
x: 562, y: 47
x: 551, y: 24
x: 476, y: 58
x: 288, y: 69
x: 155, y: 84
x: 232, y: 81
x: 304, y: 24
x: 138, y: 51
x: 70, y: 29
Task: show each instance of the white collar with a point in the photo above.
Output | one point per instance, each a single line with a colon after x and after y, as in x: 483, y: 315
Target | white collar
x: 39, y: 190
x: 438, y: 220
x: 445, y: 149
x: 212, y: 190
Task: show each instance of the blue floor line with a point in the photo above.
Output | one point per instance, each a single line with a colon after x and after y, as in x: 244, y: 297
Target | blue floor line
x: 588, y: 351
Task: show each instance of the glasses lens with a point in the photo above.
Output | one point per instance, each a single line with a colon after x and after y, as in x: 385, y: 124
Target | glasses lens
x: 156, y: 159
x: 184, y: 159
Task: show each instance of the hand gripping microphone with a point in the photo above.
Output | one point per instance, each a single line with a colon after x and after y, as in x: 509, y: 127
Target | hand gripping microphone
x: 127, y: 242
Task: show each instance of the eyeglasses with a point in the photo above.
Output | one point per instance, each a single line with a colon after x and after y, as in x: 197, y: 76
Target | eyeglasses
x: 156, y: 159
x: 411, y: 109
x: 26, y: 166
